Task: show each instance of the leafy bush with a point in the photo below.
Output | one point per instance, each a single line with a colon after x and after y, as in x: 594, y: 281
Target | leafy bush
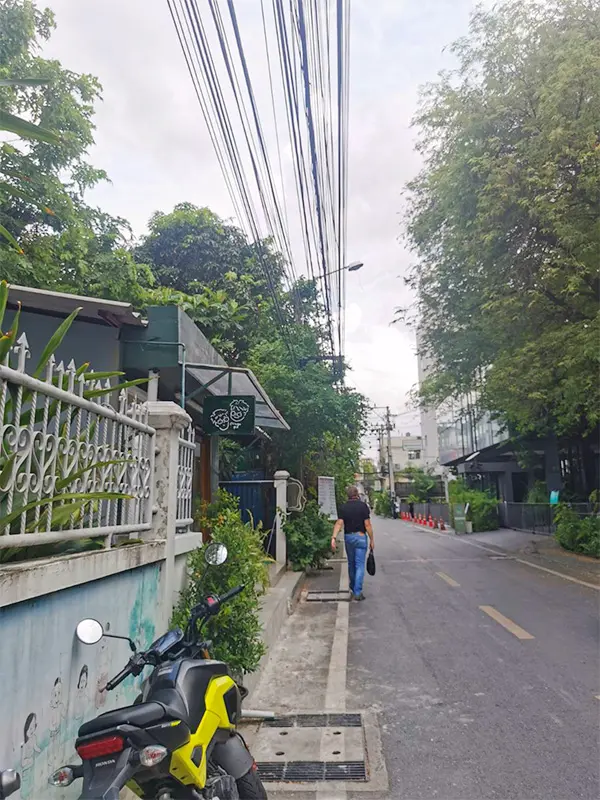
x: 308, y: 537
x: 576, y: 534
x: 235, y: 631
x: 383, y: 504
x: 483, y: 507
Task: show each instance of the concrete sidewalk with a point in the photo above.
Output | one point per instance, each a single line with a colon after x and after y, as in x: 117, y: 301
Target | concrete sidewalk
x: 304, y: 683
x: 541, y: 550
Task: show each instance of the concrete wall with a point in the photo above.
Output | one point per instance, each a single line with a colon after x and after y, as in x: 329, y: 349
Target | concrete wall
x: 51, y: 681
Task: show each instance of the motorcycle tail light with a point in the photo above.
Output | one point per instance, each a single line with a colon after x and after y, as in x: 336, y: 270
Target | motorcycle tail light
x: 62, y: 777
x: 153, y: 754
x: 100, y: 747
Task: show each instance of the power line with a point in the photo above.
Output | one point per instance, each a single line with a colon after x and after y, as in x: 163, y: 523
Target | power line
x: 311, y: 43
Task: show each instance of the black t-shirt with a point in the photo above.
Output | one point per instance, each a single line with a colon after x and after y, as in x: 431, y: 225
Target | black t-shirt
x: 354, y: 513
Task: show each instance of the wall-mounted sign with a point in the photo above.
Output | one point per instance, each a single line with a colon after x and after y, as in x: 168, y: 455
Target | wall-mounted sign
x: 231, y: 415
x: 327, y: 501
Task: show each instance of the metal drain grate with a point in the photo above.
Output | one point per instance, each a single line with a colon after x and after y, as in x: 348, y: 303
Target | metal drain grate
x: 327, y: 596
x: 315, y: 721
x: 308, y: 771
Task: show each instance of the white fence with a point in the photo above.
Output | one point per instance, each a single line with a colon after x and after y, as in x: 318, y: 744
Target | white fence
x: 185, y: 478
x: 71, y: 465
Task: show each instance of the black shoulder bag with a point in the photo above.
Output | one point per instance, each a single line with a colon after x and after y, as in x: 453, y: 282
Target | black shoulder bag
x: 371, y: 563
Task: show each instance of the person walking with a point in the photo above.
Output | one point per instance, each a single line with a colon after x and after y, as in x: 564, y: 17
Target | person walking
x: 355, y: 518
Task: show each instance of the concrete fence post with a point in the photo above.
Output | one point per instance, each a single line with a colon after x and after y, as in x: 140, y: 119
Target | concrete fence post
x: 280, y: 479
x: 168, y: 419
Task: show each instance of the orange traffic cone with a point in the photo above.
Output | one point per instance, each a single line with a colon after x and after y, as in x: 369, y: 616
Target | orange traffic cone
x: 442, y: 525
x: 435, y: 523
x: 430, y: 521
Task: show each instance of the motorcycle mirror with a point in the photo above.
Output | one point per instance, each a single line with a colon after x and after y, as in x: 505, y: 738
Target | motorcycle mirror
x: 10, y: 782
x: 89, y: 631
x: 215, y: 554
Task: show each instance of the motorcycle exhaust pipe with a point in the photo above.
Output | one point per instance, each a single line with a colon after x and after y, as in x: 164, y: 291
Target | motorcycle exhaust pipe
x: 249, y: 714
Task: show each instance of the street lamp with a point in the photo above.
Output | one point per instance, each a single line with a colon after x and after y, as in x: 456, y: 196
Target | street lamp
x: 353, y: 267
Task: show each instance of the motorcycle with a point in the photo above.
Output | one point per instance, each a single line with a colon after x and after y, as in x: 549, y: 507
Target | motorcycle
x: 10, y: 782
x: 179, y: 739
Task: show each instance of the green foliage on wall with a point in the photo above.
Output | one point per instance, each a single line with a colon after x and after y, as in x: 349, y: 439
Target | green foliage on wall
x: 308, y: 534
x: 236, y: 632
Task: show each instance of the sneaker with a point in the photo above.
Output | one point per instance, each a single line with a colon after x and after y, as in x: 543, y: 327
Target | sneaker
x: 359, y: 596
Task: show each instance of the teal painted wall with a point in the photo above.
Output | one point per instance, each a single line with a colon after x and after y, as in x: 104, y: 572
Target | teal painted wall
x: 51, y: 683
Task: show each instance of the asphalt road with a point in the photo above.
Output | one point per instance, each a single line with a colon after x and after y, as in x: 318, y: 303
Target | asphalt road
x: 475, y: 705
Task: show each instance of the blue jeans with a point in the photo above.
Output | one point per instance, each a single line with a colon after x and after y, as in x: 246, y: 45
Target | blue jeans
x: 356, y: 550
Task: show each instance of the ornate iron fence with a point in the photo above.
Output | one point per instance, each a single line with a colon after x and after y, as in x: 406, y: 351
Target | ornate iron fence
x: 72, y: 466
x: 537, y: 517
x: 185, y: 479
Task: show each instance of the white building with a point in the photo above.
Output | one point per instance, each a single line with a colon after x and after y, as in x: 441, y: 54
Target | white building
x: 429, y: 422
x: 407, y: 451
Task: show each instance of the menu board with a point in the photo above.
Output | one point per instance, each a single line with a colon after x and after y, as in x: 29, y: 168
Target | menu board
x: 460, y: 518
x: 327, y: 501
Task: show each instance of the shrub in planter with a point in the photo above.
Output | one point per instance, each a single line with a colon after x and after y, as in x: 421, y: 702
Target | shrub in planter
x: 308, y: 535
x: 236, y: 632
x: 483, y: 508
x: 576, y: 534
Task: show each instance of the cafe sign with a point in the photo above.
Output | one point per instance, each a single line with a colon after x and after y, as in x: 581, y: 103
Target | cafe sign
x: 231, y: 415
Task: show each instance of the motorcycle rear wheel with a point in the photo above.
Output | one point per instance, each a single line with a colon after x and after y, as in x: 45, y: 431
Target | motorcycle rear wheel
x: 250, y: 787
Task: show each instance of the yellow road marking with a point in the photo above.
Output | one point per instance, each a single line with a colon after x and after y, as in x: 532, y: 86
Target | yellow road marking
x: 507, y: 623
x: 450, y: 581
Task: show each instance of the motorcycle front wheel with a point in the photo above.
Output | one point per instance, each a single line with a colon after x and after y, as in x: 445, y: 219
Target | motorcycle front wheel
x: 250, y: 787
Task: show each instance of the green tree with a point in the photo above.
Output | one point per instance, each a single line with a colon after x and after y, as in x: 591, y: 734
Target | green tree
x: 63, y: 243
x: 423, y: 484
x: 192, y: 247
x: 504, y: 217
x: 326, y: 420
x: 215, y: 274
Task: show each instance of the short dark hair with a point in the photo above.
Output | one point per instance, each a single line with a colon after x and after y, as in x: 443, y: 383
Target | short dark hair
x: 352, y: 492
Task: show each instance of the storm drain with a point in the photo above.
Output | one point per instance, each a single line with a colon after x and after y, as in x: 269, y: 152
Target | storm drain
x: 315, y: 721
x: 327, y: 596
x: 308, y: 771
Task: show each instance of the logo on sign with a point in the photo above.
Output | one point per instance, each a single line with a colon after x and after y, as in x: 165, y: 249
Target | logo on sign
x: 230, y: 418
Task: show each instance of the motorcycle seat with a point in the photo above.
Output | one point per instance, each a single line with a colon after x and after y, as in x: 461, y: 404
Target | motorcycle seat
x: 140, y: 716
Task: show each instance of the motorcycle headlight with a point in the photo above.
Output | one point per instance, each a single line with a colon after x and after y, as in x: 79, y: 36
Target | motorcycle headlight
x: 153, y: 754
x: 62, y: 777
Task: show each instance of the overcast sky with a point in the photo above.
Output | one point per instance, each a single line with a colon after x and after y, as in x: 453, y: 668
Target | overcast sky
x: 152, y: 141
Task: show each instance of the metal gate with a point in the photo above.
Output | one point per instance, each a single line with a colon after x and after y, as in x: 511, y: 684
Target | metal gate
x: 257, y: 502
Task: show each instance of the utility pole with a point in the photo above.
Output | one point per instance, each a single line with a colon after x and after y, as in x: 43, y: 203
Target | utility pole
x: 390, y: 458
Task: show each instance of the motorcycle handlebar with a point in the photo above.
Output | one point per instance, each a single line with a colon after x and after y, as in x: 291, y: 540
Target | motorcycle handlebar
x: 232, y: 593
x: 112, y: 684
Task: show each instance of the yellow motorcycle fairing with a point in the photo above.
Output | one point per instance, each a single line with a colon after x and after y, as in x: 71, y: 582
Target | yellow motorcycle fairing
x: 215, y: 717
